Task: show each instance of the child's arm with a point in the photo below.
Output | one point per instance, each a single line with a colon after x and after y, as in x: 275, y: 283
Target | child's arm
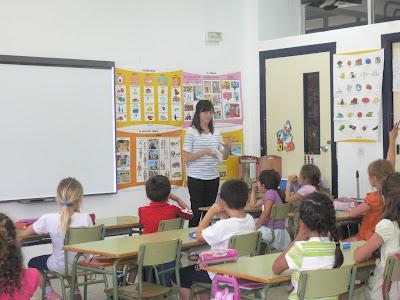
x: 364, y: 252
x: 178, y: 200
x: 391, y: 154
x: 359, y: 210
x: 292, y: 179
x: 214, y: 209
x: 253, y: 197
x: 265, y: 214
x: 27, y: 231
x: 183, y: 211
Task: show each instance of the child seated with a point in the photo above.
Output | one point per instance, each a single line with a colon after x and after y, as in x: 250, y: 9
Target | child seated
x: 16, y: 282
x: 268, y: 184
x: 310, y: 178
x: 313, y: 247
x: 234, y: 221
x: 386, y: 237
x: 371, y: 208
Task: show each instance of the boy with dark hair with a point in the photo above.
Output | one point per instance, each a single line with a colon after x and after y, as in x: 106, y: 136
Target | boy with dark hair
x: 234, y: 221
x: 158, y: 191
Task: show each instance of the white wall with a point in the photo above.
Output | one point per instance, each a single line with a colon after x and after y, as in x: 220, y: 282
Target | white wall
x: 351, y: 156
x: 136, y: 34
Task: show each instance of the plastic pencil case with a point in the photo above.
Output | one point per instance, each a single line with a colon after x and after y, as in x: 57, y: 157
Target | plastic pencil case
x: 217, y: 256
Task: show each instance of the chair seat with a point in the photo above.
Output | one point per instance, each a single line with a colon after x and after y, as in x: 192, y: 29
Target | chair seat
x: 98, y: 263
x: 150, y: 290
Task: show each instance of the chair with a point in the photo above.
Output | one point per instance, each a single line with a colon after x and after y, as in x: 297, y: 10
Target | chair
x: 153, y: 255
x: 313, y: 284
x: 278, y: 212
x: 171, y: 224
x: 246, y: 245
x: 392, y: 273
x: 76, y: 236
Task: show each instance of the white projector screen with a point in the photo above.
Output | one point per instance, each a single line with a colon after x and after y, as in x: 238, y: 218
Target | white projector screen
x: 57, y: 119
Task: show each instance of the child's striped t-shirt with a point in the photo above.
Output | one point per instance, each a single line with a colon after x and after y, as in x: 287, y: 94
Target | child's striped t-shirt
x: 315, y: 254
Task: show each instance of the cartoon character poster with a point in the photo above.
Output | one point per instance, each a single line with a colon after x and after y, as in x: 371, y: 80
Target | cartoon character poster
x: 285, y: 138
x: 357, y: 87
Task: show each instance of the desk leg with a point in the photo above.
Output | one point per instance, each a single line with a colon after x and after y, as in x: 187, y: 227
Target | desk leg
x: 115, y: 281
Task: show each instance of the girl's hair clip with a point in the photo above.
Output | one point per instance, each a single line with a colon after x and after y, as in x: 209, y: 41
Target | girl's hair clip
x: 66, y: 203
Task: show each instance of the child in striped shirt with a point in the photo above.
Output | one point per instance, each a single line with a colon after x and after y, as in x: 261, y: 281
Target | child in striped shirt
x: 313, y: 248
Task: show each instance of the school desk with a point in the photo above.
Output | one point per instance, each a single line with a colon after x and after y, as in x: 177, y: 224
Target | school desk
x: 259, y: 268
x: 255, y: 212
x: 125, y: 248
x: 113, y: 226
x: 341, y: 216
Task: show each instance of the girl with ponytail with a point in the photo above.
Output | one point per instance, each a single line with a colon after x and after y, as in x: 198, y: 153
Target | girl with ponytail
x: 317, y: 240
x: 69, y: 199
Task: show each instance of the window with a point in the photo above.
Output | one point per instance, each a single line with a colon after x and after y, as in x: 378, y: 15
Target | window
x: 386, y: 10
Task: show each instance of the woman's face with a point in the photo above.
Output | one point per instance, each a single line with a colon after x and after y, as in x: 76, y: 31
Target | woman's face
x: 206, y: 117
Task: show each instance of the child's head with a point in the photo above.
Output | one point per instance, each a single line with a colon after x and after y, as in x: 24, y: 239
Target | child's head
x: 234, y: 193
x: 391, y: 196
x: 377, y: 171
x: 318, y: 216
x: 158, y: 188
x: 10, y: 256
x: 69, y: 197
x: 310, y: 174
x: 269, y: 179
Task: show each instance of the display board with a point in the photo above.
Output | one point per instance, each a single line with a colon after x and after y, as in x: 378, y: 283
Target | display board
x: 57, y: 119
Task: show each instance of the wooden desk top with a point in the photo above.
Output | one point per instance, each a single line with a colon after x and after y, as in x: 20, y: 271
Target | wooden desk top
x: 341, y: 216
x: 109, y: 223
x: 129, y: 246
x: 247, y: 209
x: 259, y: 268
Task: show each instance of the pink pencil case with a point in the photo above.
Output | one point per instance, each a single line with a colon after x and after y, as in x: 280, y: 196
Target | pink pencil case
x: 217, y: 256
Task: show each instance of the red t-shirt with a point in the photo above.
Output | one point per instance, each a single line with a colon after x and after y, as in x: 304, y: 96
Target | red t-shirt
x: 30, y: 280
x: 151, y: 215
x: 372, y: 217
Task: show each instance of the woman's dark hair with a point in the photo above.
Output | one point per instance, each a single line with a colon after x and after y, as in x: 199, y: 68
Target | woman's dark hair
x: 10, y: 257
x: 202, y: 105
x: 318, y: 214
x: 391, y: 195
x: 270, y: 179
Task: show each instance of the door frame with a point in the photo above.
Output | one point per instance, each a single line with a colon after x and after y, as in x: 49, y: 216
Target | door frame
x: 387, y: 41
x: 278, y: 53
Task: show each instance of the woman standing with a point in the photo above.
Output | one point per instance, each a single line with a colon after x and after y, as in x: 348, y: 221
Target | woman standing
x: 202, y: 149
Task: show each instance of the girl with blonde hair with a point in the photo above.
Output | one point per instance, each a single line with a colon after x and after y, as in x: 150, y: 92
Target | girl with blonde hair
x: 69, y: 198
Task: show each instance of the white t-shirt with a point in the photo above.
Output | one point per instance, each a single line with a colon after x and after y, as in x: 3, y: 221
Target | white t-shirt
x: 50, y: 224
x: 218, y: 235
x: 205, y: 167
x: 390, y: 233
x: 306, y: 190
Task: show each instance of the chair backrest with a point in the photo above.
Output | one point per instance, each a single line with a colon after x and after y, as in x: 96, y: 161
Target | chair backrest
x: 81, y: 235
x: 246, y: 244
x: 151, y: 254
x: 326, y: 283
x: 392, y: 273
x: 170, y: 224
x: 280, y: 211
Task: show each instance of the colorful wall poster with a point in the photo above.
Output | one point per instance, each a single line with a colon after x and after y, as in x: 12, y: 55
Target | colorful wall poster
x: 357, y: 84
x: 148, y: 98
x: 140, y: 156
x: 224, y: 91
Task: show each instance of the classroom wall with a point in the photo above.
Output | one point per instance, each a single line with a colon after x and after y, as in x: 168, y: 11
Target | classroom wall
x: 351, y: 156
x: 154, y: 34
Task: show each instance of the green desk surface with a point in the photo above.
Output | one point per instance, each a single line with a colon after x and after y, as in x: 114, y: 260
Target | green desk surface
x: 340, y: 216
x: 129, y: 246
x: 247, y: 209
x: 259, y: 268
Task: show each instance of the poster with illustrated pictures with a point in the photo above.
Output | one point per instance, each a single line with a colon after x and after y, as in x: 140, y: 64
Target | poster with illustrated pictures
x: 153, y: 154
x: 123, y: 160
x: 223, y: 91
x: 357, y: 87
x: 148, y: 98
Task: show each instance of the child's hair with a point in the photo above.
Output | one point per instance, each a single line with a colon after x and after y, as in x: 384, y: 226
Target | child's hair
x: 158, y: 188
x: 318, y: 214
x: 380, y: 169
x: 201, y: 106
x: 10, y: 257
x: 312, y: 174
x: 391, y: 195
x: 270, y: 179
x: 69, y: 193
x: 235, y: 193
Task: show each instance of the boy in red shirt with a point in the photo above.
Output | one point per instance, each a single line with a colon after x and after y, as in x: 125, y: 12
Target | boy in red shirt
x: 158, y: 191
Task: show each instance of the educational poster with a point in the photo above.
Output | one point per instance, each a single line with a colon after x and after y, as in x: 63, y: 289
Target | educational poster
x: 224, y: 91
x: 140, y: 156
x: 357, y: 86
x: 148, y: 98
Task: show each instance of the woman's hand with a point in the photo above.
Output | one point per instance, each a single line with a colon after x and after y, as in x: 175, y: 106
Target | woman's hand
x: 210, y: 152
